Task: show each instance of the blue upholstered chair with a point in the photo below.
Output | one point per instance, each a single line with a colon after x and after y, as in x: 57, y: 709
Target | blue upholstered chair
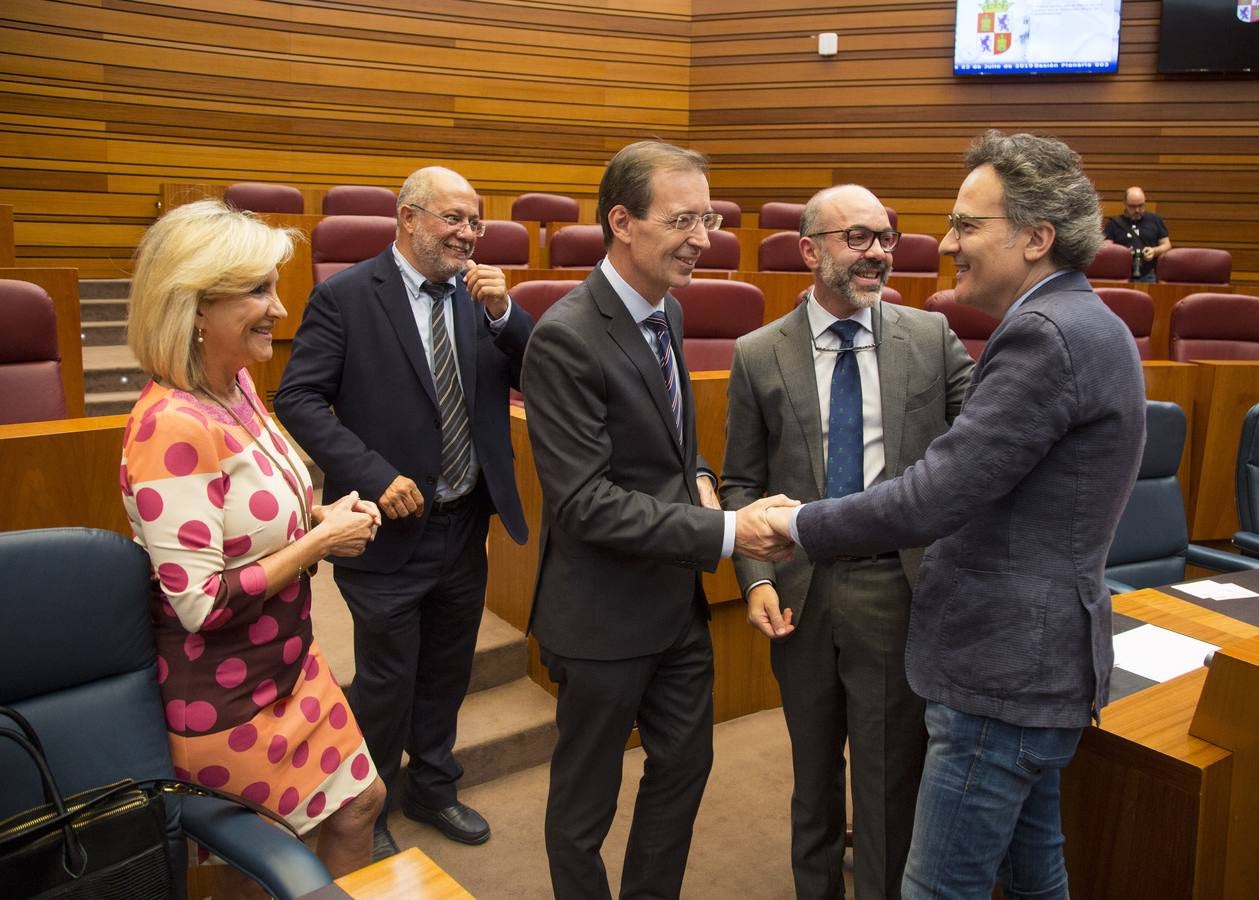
x: 1247, y: 538
x: 1151, y: 544
x: 77, y: 659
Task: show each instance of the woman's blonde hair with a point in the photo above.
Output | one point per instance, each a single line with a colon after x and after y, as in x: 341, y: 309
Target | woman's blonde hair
x: 195, y: 252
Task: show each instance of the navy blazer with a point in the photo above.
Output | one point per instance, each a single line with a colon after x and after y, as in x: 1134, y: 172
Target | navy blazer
x: 358, y: 396
x: 1011, y: 618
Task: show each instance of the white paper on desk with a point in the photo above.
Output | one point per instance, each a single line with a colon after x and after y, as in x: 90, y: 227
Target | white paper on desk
x: 1215, y: 590
x: 1158, y: 654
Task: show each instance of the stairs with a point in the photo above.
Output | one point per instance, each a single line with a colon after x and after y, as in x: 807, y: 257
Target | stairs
x: 506, y: 724
x: 111, y: 377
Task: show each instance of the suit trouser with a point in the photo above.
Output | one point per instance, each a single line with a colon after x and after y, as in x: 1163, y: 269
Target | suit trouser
x: 842, y: 676
x: 415, y: 634
x: 670, y: 695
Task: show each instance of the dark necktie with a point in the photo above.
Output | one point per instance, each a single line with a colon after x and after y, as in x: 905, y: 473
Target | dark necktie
x: 845, y: 445
x: 659, y: 326
x: 456, y: 431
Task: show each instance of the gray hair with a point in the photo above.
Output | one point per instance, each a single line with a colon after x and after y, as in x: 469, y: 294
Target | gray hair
x: 1044, y: 181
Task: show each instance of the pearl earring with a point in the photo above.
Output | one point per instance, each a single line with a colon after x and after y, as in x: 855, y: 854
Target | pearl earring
x: 200, y: 336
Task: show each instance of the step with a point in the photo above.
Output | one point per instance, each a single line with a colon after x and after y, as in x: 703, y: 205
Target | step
x: 111, y: 369
x: 501, y: 650
x: 505, y: 729
x: 106, y: 310
x: 104, y: 288
x: 103, y: 334
x: 111, y: 403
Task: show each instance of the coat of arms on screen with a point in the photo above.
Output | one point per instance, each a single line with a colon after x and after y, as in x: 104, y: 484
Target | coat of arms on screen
x: 1248, y: 12
x: 994, y: 26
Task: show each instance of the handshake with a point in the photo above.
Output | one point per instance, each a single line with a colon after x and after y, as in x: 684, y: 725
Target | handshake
x: 763, y: 528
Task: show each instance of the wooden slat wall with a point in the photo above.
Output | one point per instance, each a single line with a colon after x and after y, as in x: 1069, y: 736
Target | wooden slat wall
x: 780, y: 121
x: 101, y: 101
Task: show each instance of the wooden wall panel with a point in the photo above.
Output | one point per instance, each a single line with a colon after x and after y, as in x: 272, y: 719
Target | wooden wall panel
x: 101, y: 101
x: 780, y: 122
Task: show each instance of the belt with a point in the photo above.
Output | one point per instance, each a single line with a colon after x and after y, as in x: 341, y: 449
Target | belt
x: 891, y: 554
x: 450, y: 507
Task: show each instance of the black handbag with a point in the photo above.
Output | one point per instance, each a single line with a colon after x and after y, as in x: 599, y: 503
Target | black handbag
x: 107, y: 843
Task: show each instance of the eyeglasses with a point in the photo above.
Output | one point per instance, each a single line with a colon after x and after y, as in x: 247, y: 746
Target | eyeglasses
x: 688, y: 221
x: 959, y: 220
x: 456, y: 222
x: 863, y: 238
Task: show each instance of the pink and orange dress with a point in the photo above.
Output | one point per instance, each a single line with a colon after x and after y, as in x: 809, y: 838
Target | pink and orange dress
x: 251, y: 705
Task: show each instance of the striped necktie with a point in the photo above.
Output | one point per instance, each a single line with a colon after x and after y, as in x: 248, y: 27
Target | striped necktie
x: 456, y: 429
x: 845, y: 469
x: 659, y: 326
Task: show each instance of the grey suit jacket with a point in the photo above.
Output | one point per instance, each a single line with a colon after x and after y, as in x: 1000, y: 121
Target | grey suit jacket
x: 623, y: 535
x: 1010, y: 618
x: 774, y: 427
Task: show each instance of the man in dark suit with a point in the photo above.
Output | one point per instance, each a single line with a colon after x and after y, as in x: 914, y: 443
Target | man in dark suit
x: 838, y: 630
x: 1010, y: 631
x: 398, y: 389
x: 628, y: 523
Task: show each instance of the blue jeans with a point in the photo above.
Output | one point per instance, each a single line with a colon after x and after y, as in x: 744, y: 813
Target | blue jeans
x: 988, y: 810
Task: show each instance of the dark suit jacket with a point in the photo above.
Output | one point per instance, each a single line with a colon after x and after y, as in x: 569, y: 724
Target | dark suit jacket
x: 623, y: 535
x: 774, y: 426
x: 1011, y: 619
x: 358, y: 350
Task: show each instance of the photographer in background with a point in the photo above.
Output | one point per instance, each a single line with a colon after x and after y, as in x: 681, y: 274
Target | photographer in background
x: 1144, y: 233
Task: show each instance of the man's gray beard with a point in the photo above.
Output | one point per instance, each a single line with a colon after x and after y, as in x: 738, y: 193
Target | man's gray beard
x: 838, y: 280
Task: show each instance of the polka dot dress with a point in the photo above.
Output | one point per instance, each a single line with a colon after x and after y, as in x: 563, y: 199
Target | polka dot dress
x: 251, y: 706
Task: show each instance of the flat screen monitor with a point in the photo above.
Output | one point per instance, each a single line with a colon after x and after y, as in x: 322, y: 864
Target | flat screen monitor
x: 1209, y: 36
x: 1033, y: 37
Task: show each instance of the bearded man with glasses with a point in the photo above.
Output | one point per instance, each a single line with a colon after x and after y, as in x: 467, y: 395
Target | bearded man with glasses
x: 398, y: 389
x: 841, y: 393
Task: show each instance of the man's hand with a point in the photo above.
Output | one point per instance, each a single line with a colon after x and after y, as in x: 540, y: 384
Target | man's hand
x: 488, y: 286
x: 755, y: 537
x: 707, y: 492
x: 779, y: 520
x: 1147, y: 253
x: 763, y: 612
x: 401, y: 499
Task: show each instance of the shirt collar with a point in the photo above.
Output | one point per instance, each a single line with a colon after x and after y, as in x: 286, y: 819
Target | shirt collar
x: 637, y: 305
x: 820, y: 320
x: 1019, y: 302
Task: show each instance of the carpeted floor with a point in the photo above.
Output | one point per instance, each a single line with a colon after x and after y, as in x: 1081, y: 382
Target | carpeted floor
x: 741, y: 846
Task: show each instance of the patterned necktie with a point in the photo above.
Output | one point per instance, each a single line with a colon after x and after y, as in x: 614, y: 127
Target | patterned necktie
x: 456, y: 430
x: 659, y: 326
x: 845, y: 445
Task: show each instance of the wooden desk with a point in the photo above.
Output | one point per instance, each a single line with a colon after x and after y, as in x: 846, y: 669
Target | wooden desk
x: 410, y: 875
x: 62, y: 286
x: 1225, y: 390
x: 781, y: 289
x: 1162, y: 800
x: 62, y: 473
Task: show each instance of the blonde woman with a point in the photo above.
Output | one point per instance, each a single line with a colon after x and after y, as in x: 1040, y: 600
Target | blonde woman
x: 224, y: 506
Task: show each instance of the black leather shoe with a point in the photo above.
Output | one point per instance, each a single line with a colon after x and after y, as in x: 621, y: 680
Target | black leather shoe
x: 383, y: 845
x: 458, y: 822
